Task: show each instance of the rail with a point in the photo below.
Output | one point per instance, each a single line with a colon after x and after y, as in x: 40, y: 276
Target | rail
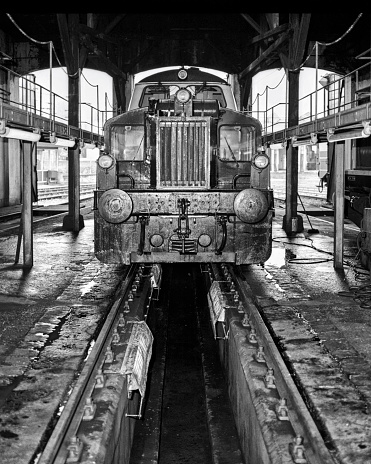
x: 268, y: 380
x: 47, y: 193
x: 102, y: 380
x: 98, y: 419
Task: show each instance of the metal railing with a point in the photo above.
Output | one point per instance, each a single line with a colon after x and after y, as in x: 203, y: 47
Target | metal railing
x: 328, y: 99
x: 37, y: 100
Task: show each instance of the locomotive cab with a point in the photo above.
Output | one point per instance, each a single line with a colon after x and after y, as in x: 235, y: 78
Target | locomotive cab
x: 183, y: 177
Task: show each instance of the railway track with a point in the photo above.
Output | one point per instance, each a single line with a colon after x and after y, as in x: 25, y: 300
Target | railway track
x: 102, y: 388
x: 57, y: 192
x: 288, y: 431
x: 185, y: 410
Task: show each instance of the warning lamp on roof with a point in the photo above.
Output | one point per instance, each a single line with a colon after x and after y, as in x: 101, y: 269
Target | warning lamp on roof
x: 182, y: 74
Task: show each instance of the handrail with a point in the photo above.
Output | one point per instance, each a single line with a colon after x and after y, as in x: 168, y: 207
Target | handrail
x: 35, y: 100
x: 267, y: 116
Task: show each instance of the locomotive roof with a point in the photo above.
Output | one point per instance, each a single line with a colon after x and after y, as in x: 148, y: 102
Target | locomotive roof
x: 194, y: 74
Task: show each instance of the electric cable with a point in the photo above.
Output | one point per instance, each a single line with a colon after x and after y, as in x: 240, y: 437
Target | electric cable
x: 268, y: 87
x: 49, y: 42
x: 26, y: 35
x: 327, y: 43
x: 92, y: 85
x: 345, y: 33
x: 360, y: 294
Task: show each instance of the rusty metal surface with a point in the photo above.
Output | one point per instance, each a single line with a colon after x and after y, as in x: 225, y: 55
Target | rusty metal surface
x: 246, y: 243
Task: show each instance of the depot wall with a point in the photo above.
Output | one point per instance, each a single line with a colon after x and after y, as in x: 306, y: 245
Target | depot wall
x: 10, y: 153
x: 10, y: 173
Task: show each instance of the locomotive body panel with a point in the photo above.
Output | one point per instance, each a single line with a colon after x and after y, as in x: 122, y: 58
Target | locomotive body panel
x: 169, y: 178
x: 246, y: 243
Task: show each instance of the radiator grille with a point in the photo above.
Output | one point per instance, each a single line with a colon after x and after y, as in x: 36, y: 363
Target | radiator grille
x: 183, y: 153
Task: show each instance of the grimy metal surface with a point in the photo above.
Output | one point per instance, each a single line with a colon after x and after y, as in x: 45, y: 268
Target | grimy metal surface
x: 282, y: 429
x: 87, y: 428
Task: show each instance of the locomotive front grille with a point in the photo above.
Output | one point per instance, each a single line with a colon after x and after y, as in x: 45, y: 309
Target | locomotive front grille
x: 183, y: 153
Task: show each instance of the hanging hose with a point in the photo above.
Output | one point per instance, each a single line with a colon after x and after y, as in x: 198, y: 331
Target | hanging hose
x: 311, y: 230
x: 223, y: 222
x: 143, y: 220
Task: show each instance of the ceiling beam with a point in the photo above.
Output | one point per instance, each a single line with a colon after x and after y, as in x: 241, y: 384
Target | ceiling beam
x: 108, y: 64
x: 273, y: 21
x: 92, y: 20
x: 265, y: 54
x: 114, y: 23
x: 64, y: 32
x: 268, y: 34
x: 299, y: 38
x: 252, y: 22
x: 97, y: 35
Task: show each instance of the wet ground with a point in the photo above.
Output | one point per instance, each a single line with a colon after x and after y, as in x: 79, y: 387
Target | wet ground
x: 49, y: 316
x: 65, y: 294
x: 320, y: 318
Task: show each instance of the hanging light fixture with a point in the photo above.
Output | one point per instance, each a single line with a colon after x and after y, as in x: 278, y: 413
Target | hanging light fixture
x: 32, y: 135
x: 61, y: 141
x: 89, y: 145
x: 308, y: 139
x: 355, y: 133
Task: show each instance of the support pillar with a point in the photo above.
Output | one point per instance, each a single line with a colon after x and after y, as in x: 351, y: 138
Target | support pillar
x: 27, y: 213
x: 269, y: 152
x: 73, y: 220
x: 292, y: 222
x: 69, y: 25
x: 366, y: 246
x: 339, y: 204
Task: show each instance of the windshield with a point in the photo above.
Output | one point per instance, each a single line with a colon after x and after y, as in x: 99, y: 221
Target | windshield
x: 168, y: 91
x: 237, y: 143
x: 127, y: 142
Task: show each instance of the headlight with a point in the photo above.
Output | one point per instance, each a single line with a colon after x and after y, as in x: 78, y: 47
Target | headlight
x: 105, y: 161
x: 115, y: 206
x: 250, y: 205
x: 183, y: 96
x: 260, y: 161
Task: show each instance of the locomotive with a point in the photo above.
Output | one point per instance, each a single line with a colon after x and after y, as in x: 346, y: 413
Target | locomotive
x: 358, y: 182
x: 183, y: 176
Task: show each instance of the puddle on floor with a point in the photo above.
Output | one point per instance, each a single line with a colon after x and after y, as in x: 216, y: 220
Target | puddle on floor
x: 277, y: 258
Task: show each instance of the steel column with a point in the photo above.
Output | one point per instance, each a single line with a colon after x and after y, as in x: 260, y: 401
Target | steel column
x: 292, y: 223
x: 73, y: 220
x: 339, y: 204
x: 27, y: 213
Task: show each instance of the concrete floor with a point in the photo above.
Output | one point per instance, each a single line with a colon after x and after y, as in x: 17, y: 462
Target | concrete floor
x: 317, y: 315
x: 321, y: 319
